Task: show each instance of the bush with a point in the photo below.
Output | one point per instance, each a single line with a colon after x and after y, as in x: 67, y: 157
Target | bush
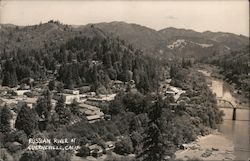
x: 13, y: 147
x: 83, y: 152
x: 124, y: 147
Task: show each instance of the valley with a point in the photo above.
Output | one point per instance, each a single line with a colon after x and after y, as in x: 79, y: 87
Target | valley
x: 120, y: 91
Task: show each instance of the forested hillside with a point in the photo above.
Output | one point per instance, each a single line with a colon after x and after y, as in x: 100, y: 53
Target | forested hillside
x: 89, y: 58
x: 153, y: 99
x: 235, y: 66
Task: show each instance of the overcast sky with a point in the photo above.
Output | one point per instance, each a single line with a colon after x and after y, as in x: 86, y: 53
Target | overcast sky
x: 217, y: 15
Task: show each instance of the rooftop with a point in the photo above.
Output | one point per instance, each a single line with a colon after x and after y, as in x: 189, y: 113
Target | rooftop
x: 93, y: 117
x: 89, y: 107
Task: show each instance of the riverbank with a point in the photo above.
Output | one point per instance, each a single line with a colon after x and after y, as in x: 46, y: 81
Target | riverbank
x: 212, y: 72
x: 237, y: 131
x: 214, y: 146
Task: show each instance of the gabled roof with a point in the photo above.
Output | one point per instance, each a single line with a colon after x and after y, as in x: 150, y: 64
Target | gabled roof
x: 89, y: 107
x: 93, y: 117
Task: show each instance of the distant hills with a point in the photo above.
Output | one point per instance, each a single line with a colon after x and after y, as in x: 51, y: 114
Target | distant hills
x: 166, y: 42
x: 194, y: 43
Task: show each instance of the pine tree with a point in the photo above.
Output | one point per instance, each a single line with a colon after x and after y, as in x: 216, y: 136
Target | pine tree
x: 9, y: 74
x: 51, y: 85
x: 44, y: 106
x: 5, y: 117
x: 154, y: 146
x: 63, y: 113
x: 26, y: 120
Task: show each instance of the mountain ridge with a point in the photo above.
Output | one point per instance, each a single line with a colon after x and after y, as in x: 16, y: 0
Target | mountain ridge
x: 144, y: 38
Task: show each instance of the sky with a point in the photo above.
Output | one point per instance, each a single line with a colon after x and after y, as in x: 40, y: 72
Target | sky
x: 216, y: 15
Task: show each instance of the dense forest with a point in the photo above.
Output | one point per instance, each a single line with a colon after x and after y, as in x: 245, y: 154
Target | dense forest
x: 143, y: 122
x: 80, y: 61
x: 235, y: 66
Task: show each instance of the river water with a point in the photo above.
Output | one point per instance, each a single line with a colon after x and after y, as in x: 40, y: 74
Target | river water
x: 239, y: 130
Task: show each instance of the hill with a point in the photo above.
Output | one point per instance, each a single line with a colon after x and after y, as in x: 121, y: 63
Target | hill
x: 159, y: 42
x: 141, y: 37
x: 73, y: 56
x: 170, y: 42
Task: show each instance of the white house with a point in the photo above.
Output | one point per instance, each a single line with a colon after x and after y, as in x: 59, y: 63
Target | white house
x: 69, y: 91
x: 69, y: 98
x: 21, y: 92
x: 93, y: 113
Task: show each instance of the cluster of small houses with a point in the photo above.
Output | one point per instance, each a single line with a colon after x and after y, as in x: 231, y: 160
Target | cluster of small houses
x: 97, y: 150
x: 169, y: 90
x: 88, y: 102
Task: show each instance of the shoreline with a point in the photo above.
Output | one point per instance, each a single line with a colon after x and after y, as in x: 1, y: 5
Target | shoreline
x: 213, y: 72
x: 214, y: 146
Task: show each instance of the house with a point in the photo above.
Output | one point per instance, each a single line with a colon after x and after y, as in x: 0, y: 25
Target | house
x: 69, y: 98
x: 93, y: 118
x: 169, y: 93
x: 93, y: 113
x: 21, y: 92
x: 108, y: 97
x: 95, y: 150
x: 86, y: 107
x: 69, y: 91
x: 174, y: 91
x: 110, y: 146
x: 102, y: 99
x: 29, y: 101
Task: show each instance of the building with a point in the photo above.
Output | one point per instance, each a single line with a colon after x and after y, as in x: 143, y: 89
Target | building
x: 69, y: 91
x: 69, y: 98
x: 31, y: 102
x: 93, y: 113
x: 174, y: 91
x: 169, y: 93
x: 102, y: 99
x: 95, y: 150
x: 21, y: 92
x: 93, y: 118
x: 110, y: 146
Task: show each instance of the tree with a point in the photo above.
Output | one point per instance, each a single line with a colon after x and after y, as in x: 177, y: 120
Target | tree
x: 44, y: 106
x: 124, y: 146
x: 5, y: 117
x: 9, y: 74
x: 26, y: 120
x: 34, y: 155
x: 116, y: 106
x: 153, y: 147
x: 51, y: 85
x: 60, y: 87
x: 74, y: 109
x: 83, y: 151
x: 64, y: 114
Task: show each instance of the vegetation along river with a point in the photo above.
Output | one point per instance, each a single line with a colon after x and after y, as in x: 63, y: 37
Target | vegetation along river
x: 239, y: 130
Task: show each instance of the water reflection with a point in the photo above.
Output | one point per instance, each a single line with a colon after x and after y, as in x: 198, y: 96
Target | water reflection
x: 239, y: 130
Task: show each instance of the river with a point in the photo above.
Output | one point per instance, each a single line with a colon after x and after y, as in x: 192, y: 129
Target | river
x: 237, y: 131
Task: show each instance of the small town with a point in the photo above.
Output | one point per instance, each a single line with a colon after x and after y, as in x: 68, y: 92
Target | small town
x: 124, y: 80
